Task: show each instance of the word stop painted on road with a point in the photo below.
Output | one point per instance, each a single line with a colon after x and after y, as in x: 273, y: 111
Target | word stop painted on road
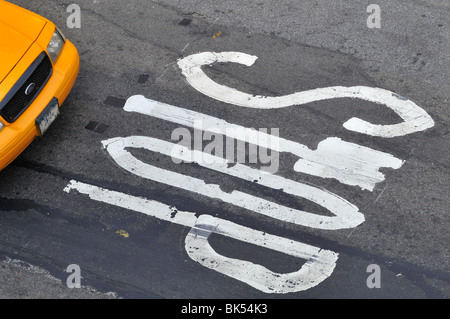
x: 349, y: 163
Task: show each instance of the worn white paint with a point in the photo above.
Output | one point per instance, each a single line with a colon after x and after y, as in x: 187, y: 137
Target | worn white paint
x: 138, y: 204
x: 349, y: 163
x: 414, y: 118
x: 345, y: 214
x: 319, y: 264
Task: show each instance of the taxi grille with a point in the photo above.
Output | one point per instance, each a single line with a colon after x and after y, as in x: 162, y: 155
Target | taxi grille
x: 26, y: 89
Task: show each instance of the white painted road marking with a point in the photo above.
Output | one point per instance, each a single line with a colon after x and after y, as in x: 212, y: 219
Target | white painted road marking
x: 415, y: 118
x: 319, y: 265
x: 346, y: 215
x: 349, y: 163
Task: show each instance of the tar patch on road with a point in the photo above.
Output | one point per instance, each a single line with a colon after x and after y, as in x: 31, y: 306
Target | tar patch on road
x: 96, y: 127
x: 114, y: 101
x: 185, y: 22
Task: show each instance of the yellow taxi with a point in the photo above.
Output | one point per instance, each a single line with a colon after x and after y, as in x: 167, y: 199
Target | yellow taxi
x: 38, y: 68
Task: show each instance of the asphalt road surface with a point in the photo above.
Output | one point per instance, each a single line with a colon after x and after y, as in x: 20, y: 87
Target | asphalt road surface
x: 348, y: 210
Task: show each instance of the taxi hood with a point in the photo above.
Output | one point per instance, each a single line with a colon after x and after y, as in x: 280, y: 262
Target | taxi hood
x: 19, y: 28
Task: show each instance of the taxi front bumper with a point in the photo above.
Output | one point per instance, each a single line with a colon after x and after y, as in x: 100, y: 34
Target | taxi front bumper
x: 15, y: 137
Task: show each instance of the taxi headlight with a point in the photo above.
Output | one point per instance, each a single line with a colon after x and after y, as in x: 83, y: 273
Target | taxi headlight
x: 55, y: 45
